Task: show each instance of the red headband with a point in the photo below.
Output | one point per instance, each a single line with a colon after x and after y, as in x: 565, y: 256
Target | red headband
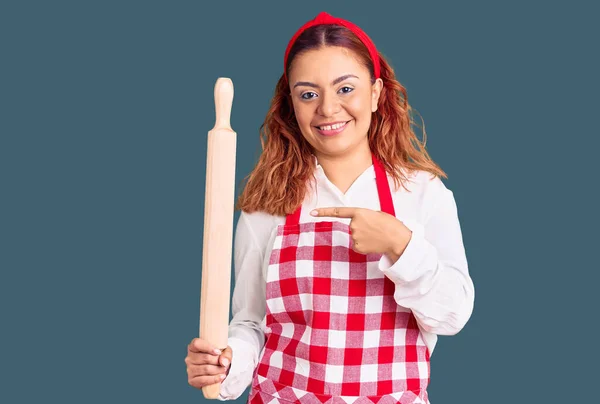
x: 324, y: 18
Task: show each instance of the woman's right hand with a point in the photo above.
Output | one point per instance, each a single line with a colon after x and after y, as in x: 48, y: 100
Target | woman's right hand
x: 206, y: 364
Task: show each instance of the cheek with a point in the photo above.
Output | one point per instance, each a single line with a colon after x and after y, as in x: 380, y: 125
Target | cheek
x: 360, y: 107
x: 304, y: 116
x: 304, y: 119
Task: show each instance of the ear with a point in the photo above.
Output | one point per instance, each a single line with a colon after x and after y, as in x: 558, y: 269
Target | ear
x: 375, y: 93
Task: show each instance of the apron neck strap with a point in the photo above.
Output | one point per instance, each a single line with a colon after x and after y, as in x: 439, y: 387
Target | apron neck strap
x: 383, y: 189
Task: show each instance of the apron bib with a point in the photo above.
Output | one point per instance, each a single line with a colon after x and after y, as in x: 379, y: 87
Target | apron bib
x: 334, y: 333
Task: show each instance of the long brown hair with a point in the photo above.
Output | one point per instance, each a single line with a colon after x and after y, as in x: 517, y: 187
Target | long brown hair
x: 280, y: 180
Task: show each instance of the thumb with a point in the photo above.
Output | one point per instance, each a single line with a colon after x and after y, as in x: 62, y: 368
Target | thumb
x: 226, y: 357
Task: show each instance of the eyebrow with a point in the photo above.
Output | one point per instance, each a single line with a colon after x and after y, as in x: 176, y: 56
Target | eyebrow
x: 333, y: 83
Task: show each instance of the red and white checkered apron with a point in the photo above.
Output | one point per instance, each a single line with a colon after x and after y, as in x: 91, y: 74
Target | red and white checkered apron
x: 334, y: 333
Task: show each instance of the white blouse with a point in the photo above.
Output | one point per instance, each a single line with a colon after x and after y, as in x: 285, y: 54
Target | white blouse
x: 431, y: 276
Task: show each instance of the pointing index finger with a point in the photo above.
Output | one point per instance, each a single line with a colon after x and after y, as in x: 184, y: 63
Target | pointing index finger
x: 344, y: 212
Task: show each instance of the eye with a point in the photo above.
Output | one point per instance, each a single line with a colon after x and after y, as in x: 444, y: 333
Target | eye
x: 348, y: 88
x: 303, y: 95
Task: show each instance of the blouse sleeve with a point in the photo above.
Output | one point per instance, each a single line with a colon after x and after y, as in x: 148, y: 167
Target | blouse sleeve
x: 246, y: 337
x: 431, y: 276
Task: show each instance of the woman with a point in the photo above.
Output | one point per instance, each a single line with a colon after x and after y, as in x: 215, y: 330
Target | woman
x: 346, y: 233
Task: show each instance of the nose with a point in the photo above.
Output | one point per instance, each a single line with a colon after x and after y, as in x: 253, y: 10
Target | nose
x: 329, y: 105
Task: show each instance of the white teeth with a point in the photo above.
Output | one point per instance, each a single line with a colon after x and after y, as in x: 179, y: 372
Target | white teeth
x: 332, y: 127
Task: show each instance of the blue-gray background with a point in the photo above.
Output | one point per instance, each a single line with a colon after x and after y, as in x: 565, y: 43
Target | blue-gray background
x: 105, y: 108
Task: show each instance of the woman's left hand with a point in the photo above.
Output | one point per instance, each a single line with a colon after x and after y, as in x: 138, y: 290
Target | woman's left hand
x: 372, y: 231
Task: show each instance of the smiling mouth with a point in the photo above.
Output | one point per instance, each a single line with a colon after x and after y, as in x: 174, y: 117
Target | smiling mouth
x: 329, y: 131
x: 332, y: 127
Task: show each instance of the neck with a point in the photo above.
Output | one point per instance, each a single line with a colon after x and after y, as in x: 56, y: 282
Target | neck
x: 343, y: 170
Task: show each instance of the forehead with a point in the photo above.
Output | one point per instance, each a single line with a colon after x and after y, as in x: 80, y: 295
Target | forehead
x: 326, y: 63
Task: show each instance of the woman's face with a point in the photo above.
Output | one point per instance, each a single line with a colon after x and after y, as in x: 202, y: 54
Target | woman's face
x: 333, y: 100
